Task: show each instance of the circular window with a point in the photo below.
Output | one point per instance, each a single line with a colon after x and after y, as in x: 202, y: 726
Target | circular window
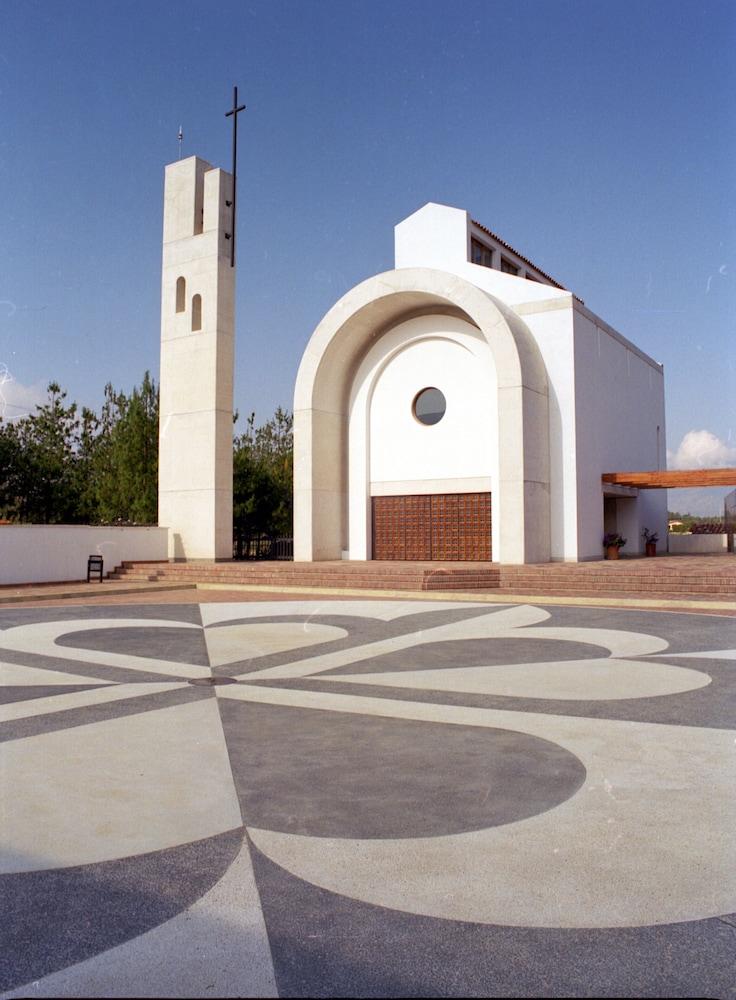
x: 429, y: 406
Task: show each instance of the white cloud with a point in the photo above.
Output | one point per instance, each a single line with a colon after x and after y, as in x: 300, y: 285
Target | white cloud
x: 16, y: 399
x: 701, y: 450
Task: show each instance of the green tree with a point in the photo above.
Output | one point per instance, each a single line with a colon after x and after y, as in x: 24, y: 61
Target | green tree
x: 10, y: 471
x: 263, y: 478
x: 88, y: 443
x: 123, y: 455
x: 57, y: 466
x: 38, y: 482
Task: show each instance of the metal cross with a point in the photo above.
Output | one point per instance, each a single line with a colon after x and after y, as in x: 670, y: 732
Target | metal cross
x: 234, y: 111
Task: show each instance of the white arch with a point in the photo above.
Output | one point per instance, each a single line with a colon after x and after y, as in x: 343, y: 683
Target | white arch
x: 521, y: 501
x: 480, y: 430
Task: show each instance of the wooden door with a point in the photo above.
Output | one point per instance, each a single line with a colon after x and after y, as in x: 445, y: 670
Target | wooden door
x: 441, y: 526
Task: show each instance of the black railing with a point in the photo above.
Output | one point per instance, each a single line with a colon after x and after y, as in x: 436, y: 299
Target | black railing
x: 262, y: 547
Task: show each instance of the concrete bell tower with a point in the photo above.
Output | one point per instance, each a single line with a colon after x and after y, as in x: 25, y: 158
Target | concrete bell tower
x: 195, y: 491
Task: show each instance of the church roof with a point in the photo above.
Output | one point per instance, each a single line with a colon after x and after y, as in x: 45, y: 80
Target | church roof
x: 521, y: 256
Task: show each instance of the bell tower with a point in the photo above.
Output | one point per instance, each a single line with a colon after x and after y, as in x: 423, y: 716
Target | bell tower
x: 195, y: 486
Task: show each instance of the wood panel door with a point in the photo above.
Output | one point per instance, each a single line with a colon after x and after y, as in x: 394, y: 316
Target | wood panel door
x: 441, y: 526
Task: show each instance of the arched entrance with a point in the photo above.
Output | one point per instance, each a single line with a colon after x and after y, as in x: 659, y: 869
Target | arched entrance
x: 327, y: 518
x: 423, y: 444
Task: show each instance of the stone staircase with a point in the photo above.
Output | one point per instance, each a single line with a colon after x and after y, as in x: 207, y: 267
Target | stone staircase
x: 663, y: 576
x: 416, y: 576
x: 666, y: 576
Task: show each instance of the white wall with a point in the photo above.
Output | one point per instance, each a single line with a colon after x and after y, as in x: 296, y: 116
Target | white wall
x: 463, y: 443
x: 552, y: 328
x: 390, y: 451
x: 46, y: 553
x: 696, y: 544
x: 439, y: 236
x: 619, y: 399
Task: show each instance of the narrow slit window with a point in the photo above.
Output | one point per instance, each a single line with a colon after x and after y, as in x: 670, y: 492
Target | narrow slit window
x: 196, y: 312
x: 181, y: 294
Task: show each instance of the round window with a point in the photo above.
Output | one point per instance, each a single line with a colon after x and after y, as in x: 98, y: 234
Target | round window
x: 429, y: 406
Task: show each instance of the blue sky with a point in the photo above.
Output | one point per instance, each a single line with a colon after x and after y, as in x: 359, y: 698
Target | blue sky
x: 597, y: 138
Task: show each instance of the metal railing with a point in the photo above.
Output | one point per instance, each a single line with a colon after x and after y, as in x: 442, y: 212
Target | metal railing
x: 262, y: 546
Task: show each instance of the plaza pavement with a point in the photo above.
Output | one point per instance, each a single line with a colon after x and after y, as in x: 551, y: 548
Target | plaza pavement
x: 321, y: 797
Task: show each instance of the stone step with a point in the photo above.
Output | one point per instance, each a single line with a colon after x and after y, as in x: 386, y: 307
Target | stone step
x: 408, y: 578
x: 613, y: 581
x: 672, y: 577
x: 537, y: 586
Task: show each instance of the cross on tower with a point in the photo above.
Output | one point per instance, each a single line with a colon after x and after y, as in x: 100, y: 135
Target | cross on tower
x: 234, y: 111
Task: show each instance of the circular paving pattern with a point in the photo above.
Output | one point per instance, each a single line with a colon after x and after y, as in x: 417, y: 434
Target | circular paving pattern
x: 518, y: 769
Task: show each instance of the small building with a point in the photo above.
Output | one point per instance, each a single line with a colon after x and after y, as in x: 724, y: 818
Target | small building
x: 464, y: 406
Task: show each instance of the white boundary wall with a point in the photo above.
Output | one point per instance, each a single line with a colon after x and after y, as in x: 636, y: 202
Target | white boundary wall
x: 696, y: 544
x: 48, y: 553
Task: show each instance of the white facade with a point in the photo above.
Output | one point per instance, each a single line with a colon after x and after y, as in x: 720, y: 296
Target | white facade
x: 197, y: 327
x: 543, y: 397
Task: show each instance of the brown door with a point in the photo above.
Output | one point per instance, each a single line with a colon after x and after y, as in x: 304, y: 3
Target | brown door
x: 443, y: 526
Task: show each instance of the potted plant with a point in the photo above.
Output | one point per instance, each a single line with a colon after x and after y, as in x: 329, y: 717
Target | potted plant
x: 612, y: 542
x: 650, y: 541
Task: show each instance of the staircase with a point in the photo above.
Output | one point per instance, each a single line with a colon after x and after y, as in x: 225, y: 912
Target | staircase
x: 336, y: 575
x: 666, y: 576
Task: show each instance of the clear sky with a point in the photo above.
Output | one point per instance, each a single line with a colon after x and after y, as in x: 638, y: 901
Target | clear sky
x: 597, y: 138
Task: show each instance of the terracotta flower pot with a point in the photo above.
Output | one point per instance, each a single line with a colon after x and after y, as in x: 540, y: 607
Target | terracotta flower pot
x: 651, y: 548
x: 612, y: 552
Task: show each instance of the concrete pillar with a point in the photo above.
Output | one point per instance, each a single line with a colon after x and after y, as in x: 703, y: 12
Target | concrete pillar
x: 197, y: 334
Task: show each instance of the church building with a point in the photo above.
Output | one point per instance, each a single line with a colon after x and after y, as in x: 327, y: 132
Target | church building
x: 465, y: 406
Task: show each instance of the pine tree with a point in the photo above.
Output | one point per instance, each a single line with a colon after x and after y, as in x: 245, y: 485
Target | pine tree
x: 126, y: 458
x: 43, y: 480
x: 262, y: 478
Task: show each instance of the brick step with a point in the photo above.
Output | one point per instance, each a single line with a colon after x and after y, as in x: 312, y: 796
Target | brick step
x: 662, y: 586
x: 636, y: 595
x: 305, y: 570
x: 311, y: 575
x: 358, y: 584
x: 721, y: 592
x: 512, y: 572
x: 621, y: 578
x: 406, y: 568
x: 131, y: 574
x: 602, y: 577
x: 663, y: 578
x: 644, y: 581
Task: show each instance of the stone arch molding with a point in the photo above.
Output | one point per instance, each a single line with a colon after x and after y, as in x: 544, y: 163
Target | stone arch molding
x: 321, y: 402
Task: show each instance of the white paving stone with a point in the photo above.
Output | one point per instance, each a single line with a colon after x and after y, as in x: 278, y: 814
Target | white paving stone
x: 576, y: 680
x: 116, y: 788
x: 218, y: 947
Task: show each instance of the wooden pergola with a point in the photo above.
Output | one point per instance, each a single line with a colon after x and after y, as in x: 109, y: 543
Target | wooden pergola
x: 675, y: 479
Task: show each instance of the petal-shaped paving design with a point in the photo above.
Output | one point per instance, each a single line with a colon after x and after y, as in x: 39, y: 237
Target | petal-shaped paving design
x: 366, y: 798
